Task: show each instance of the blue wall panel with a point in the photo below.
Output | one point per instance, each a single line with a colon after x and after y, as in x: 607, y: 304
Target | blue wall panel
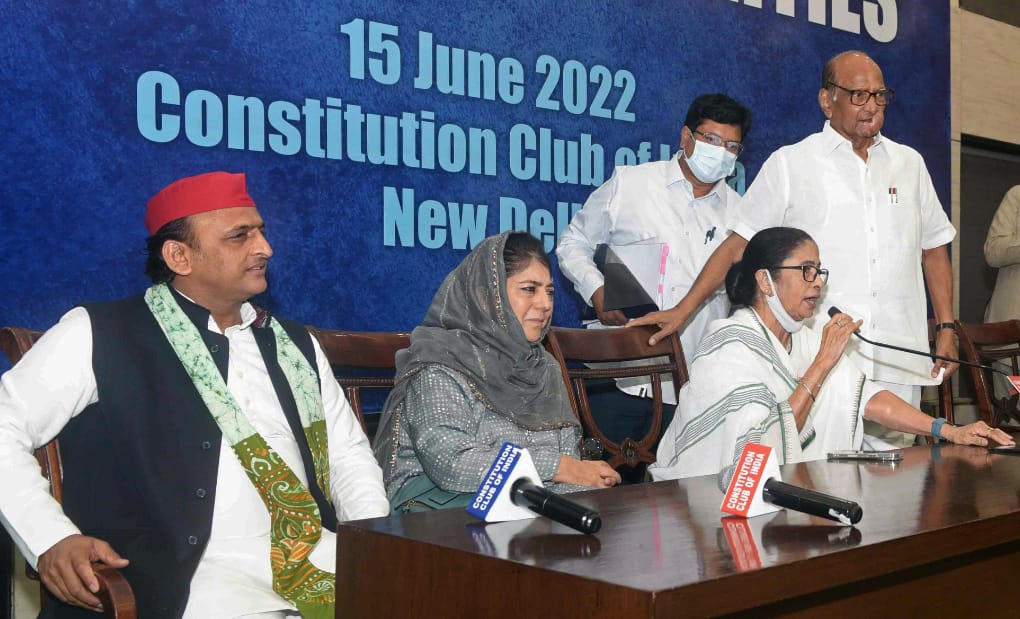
x: 88, y: 136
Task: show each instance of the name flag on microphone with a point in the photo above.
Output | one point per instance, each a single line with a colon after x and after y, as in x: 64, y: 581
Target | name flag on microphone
x: 492, y: 502
x: 744, y: 495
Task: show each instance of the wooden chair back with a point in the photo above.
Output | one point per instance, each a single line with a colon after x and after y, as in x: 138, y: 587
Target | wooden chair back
x: 361, y: 360
x: 996, y: 344
x: 114, y: 591
x: 574, y: 347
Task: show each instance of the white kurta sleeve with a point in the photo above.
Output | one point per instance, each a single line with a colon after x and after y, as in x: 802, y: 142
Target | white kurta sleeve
x: 1002, y: 245
x: 589, y: 227
x: 765, y: 202
x: 936, y: 229
x: 53, y: 382
x: 356, y: 485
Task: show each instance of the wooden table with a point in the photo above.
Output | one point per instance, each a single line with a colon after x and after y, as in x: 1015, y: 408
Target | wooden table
x: 940, y: 534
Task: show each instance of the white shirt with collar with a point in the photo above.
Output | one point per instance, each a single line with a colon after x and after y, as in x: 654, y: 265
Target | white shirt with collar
x: 871, y: 221
x: 233, y: 577
x: 652, y: 202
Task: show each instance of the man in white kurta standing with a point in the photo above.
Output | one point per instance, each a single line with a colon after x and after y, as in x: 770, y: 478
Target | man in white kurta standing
x: 870, y: 204
x: 681, y: 205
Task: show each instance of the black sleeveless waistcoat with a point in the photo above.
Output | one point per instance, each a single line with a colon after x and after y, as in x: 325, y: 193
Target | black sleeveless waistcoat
x: 140, y: 465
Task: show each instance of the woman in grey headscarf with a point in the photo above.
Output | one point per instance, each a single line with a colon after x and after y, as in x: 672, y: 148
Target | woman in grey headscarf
x: 475, y: 376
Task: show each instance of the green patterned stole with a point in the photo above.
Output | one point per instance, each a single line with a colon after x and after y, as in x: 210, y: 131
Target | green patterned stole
x: 296, y: 525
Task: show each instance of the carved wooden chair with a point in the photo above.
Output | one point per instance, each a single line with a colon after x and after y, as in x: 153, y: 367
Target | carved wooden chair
x: 996, y: 344
x: 360, y: 360
x: 114, y: 590
x: 574, y: 347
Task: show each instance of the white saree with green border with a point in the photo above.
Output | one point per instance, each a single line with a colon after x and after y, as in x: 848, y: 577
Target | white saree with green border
x: 741, y: 379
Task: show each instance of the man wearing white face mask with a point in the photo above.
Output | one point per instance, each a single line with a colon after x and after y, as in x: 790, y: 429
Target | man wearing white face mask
x: 870, y: 204
x: 682, y: 204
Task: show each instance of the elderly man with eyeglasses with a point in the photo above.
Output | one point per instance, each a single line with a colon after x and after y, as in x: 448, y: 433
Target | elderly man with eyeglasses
x: 870, y: 204
x: 672, y: 213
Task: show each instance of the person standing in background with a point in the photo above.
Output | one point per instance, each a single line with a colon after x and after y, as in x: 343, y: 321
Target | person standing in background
x: 1002, y: 252
x: 681, y: 204
x: 870, y: 204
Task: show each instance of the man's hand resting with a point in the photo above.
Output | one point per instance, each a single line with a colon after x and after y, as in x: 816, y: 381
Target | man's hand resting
x: 607, y: 317
x: 66, y: 569
x: 668, y: 321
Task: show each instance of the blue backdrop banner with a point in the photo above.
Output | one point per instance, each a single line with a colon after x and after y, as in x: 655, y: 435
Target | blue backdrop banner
x: 382, y: 140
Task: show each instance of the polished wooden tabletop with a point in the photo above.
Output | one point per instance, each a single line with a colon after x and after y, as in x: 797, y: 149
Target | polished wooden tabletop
x: 938, y: 502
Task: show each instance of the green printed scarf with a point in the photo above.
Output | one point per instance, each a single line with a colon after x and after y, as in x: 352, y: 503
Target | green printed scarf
x: 296, y: 525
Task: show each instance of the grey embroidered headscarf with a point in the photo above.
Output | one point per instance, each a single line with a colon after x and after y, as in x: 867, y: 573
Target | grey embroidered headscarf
x: 471, y: 329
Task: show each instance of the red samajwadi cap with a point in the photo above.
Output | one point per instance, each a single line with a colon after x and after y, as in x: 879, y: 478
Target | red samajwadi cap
x: 196, y: 194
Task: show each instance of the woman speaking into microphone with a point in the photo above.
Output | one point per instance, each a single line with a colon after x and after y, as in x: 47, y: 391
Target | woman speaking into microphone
x: 758, y: 377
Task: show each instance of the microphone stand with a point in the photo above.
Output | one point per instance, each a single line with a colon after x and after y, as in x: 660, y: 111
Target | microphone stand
x: 835, y: 310
x: 932, y: 355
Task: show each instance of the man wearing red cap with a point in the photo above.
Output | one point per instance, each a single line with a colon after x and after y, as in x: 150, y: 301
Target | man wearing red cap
x: 208, y: 449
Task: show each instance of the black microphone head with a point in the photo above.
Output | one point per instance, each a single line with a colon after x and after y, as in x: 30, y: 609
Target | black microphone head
x: 833, y: 311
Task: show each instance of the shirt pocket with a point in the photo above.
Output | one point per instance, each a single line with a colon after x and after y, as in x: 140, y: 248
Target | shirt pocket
x: 899, y: 218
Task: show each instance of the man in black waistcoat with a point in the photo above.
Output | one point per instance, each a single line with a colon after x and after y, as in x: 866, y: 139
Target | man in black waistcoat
x: 208, y: 452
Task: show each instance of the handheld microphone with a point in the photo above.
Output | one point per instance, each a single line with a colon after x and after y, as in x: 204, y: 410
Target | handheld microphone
x: 835, y: 310
x: 541, y: 500
x: 811, y: 502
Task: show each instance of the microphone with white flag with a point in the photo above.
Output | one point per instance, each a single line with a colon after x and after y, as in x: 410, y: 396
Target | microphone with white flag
x: 513, y: 490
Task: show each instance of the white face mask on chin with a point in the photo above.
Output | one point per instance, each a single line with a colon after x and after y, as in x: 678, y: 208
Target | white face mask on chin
x: 786, y: 321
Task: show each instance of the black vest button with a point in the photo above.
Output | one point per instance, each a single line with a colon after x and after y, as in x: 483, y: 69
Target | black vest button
x: 215, y: 348
x: 206, y: 445
x: 192, y: 540
x: 200, y: 493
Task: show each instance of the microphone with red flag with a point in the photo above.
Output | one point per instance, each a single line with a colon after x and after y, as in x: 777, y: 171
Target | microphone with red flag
x: 756, y: 488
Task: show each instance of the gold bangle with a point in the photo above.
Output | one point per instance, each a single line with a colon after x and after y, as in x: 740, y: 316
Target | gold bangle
x: 806, y: 388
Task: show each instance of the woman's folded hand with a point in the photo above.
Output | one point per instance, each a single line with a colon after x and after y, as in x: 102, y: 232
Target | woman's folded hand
x: 593, y: 473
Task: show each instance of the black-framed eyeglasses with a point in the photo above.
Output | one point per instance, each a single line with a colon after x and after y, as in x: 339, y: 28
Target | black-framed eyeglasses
x: 731, y: 145
x: 860, y: 97
x: 809, y: 271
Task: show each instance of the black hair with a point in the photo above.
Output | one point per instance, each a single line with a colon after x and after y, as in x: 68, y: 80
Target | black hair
x: 768, y: 248
x: 155, y: 267
x: 520, y: 249
x: 722, y: 109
